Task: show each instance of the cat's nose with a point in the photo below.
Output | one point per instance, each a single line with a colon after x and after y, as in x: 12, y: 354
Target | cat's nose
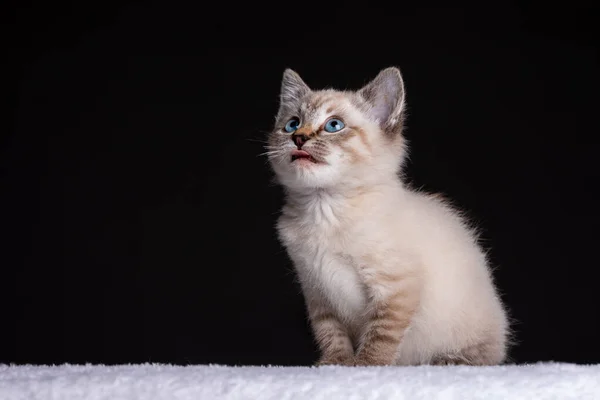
x: 300, y: 139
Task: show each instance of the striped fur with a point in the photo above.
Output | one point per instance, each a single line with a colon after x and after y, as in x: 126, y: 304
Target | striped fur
x: 391, y: 276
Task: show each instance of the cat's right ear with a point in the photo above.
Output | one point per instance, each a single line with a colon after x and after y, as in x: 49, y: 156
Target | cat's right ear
x: 385, y: 96
x: 293, y: 87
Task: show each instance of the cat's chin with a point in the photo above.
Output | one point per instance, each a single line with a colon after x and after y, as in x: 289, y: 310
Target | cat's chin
x: 305, y: 174
x: 305, y: 162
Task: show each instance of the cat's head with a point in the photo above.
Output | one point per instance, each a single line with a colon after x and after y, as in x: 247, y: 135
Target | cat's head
x: 331, y: 138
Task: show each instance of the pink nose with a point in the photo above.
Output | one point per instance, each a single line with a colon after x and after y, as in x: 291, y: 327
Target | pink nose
x: 299, y: 140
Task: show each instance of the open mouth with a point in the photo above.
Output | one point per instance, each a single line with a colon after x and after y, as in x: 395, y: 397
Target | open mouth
x: 302, y: 155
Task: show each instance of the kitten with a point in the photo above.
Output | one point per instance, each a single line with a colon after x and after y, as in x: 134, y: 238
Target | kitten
x: 391, y: 276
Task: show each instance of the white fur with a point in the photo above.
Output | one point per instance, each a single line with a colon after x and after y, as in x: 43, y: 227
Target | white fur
x: 344, y: 214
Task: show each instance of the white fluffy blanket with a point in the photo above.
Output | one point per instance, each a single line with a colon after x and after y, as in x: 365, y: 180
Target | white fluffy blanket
x: 162, y: 382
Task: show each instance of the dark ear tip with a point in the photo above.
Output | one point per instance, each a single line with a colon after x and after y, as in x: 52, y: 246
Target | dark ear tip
x: 289, y: 73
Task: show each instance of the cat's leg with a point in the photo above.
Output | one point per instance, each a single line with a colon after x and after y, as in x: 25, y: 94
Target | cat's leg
x: 394, y: 300
x: 331, y: 335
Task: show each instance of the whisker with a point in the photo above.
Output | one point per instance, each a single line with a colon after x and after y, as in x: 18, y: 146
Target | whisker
x: 257, y: 140
x: 272, y: 153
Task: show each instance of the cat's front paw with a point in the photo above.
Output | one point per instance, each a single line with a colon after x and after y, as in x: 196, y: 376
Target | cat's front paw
x: 347, y: 361
x: 364, y: 360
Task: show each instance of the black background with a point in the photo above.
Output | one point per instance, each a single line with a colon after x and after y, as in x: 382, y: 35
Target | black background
x: 138, y: 219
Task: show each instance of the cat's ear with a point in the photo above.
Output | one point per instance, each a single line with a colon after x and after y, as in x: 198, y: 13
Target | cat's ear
x: 385, y: 95
x: 293, y: 87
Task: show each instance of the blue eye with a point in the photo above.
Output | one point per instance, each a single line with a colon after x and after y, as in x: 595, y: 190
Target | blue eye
x: 292, y: 125
x: 334, y: 125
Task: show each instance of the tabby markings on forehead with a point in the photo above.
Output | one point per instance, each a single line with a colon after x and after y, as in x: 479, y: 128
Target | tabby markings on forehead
x: 319, y: 101
x: 314, y: 103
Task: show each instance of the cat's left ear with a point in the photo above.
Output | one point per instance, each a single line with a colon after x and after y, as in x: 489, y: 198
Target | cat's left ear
x: 385, y: 95
x: 293, y: 87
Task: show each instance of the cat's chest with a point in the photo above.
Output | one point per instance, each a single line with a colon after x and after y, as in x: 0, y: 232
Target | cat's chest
x: 321, y: 256
x: 339, y: 282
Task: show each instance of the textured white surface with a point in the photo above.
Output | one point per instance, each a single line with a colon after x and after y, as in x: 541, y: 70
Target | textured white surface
x: 151, y: 381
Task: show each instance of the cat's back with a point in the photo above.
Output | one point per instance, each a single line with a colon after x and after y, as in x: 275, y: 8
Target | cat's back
x: 456, y: 272
x: 453, y: 261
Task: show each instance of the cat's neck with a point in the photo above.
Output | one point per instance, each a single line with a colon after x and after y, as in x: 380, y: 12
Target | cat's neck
x: 342, y: 199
